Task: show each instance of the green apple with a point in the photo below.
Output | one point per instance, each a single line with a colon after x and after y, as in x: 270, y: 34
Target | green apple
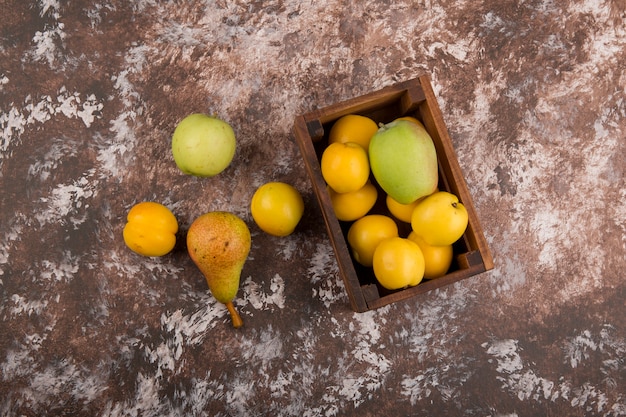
x: 403, y: 161
x: 440, y: 219
x: 203, y: 145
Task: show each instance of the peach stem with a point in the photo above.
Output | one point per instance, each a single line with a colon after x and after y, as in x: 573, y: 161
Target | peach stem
x: 237, y: 322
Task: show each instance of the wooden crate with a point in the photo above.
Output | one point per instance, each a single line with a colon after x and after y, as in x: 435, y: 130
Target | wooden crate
x: 410, y: 98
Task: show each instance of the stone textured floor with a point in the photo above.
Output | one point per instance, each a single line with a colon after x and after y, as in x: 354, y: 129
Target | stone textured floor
x: 533, y: 94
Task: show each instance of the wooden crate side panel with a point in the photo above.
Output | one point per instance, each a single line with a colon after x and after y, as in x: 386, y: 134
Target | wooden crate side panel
x: 362, y: 105
x: 433, y: 119
x: 424, y: 286
x: 351, y: 280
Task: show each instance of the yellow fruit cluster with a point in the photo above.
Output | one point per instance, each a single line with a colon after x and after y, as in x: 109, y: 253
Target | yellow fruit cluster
x: 218, y: 242
x: 436, y: 221
x: 151, y: 227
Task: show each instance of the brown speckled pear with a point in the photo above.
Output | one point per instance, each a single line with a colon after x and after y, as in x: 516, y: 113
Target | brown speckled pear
x: 218, y: 243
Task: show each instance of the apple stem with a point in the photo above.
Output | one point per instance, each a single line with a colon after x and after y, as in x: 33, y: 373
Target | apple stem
x: 454, y: 205
x: 234, y: 315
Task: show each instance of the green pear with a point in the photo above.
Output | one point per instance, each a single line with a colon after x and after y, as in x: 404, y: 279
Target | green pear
x: 403, y: 161
x: 203, y: 145
x: 218, y: 243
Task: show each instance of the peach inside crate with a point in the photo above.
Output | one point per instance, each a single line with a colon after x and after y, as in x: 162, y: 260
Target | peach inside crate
x: 410, y: 98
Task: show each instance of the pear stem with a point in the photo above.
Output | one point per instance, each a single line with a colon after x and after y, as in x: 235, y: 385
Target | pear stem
x: 237, y: 322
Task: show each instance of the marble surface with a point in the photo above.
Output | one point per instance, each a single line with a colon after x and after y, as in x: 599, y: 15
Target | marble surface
x: 533, y: 93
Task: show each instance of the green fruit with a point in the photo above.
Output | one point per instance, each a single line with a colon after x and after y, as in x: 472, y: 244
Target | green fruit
x: 203, y: 145
x: 218, y: 243
x: 403, y: 160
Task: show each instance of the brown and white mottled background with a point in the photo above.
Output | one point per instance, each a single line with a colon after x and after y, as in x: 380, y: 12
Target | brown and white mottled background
x: 533, y: 93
